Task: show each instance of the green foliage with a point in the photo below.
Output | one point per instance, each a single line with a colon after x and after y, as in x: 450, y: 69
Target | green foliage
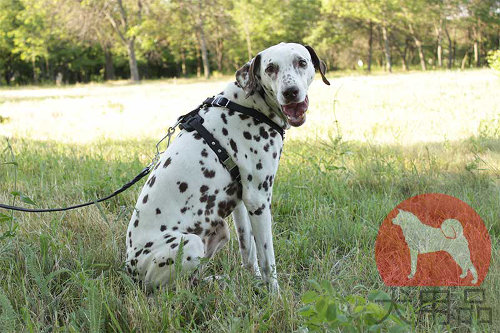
x: 494, y: 60
x: 41, y: 38
x: 326, y: 309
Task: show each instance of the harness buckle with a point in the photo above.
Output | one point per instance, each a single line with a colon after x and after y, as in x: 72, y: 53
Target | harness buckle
x: 220, y: 101
x: 185, y: 123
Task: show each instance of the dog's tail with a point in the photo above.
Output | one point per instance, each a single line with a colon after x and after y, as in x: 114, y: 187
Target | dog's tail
x: 452, y: 228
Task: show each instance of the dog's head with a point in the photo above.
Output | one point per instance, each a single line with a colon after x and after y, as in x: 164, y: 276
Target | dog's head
x: 284, y: 72
x: 405, y: 218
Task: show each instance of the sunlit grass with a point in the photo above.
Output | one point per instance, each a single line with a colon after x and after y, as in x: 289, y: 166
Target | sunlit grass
x: 402, y: 135
x: 400, y: 108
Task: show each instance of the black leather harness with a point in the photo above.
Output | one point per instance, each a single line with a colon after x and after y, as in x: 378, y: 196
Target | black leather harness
x: 193, y: 121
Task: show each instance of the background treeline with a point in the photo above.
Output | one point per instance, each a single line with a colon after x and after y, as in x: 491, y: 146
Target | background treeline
x: 94, y: 40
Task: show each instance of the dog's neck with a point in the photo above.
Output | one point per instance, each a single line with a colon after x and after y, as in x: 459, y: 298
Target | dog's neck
x: 260, y: 101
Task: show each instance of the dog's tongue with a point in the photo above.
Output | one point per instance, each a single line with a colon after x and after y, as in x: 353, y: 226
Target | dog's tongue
x: 295, y: 112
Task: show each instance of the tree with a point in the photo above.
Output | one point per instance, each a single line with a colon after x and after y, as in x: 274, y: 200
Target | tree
x: 125, y: 16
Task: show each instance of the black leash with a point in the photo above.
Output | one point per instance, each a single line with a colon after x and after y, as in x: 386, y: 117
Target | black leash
x: 143, y: 173
x: 190, y: 121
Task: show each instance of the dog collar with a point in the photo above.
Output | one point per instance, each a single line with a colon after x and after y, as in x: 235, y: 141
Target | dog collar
x: 221, y: 101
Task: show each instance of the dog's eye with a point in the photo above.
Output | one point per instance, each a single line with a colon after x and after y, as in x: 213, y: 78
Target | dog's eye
x: 271, y: 69
x: 302, y: 63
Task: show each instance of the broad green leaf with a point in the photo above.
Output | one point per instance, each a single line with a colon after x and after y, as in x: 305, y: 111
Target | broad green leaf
x: 309, y: 297
x: 321, y: 306
x: 307, y: 311
x: 331, y: 312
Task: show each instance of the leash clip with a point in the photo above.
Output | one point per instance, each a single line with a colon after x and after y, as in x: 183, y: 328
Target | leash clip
x: 168, y: 136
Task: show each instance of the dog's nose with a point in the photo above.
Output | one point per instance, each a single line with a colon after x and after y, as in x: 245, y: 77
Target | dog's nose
x: 291, y: 93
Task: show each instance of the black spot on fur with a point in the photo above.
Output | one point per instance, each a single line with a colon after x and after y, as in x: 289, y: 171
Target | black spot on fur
x: 158, y: 211
x: 188, y: 258
x: 247, y: 135
x: 203, y: 188
x: 266, y: 147
x: 209, y: 173
x: 223, y: 117
x: 173, y: 246
x: 169, y: 261
x: 148, y: 244
x: 249, y: 178
x: 170, y: 240
x: 274, y: 155
x: 204, y: 153
x: 138, y: 253
x: 151, y: 181
x: 136, y: 223
x: 197, y: 136
x: 224, y: 131
x: 183, y: 187
x: 234, y: 147
x: 244, y: 117
x: 167, y: 162
x: 145, y: 199
x: 259, y: 166
x: 235, y: 95
x: 263, y: 133
x: 183, y: 210
x: 163, y: 228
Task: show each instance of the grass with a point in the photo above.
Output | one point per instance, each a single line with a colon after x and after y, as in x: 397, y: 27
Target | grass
x: 396, y: 136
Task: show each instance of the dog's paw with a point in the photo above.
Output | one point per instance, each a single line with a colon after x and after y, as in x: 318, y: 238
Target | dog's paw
x: 274, y: 287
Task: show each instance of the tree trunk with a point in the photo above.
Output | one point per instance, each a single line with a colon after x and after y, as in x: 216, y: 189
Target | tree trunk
x: 202, y: 41
x: 198, y: 62
x: 387, y: 49
x: 134, y: 71
x: 183, y: 62
x: 220, y: 54
x: 439, y: 51
x: 464, y: 60
x: 35, y: 76
x: 109, y: 69
x: 476, y: 53
x: 403, y: 56
x: 418, y: 43
x: 450, y: 48
x: 204, y: 55
x: 370, y: 46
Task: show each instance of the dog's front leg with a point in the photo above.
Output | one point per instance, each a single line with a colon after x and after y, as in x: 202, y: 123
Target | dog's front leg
x: 261, y: 221
x: 246, y: 241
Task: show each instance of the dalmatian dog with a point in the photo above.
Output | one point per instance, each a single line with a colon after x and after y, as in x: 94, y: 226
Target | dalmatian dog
x: 189, y: 193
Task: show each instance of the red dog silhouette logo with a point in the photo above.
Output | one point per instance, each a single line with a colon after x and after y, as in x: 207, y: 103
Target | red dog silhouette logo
x: 433, y: 240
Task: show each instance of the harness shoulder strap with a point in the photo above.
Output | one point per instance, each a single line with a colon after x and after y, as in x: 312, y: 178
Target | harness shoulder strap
x: 194, y: 121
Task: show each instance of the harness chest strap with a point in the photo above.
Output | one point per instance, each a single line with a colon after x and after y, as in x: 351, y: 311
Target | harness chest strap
x: 193, y: 121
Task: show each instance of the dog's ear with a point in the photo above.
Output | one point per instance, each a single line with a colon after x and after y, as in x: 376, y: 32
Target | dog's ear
x: 318, y: 63
x: 247, y: 76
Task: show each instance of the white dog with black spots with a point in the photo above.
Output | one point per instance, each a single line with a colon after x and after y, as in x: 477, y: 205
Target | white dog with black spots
x: 189, y: 193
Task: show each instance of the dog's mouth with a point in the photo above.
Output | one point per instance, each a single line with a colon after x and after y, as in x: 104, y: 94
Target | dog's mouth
x: 296, y: 112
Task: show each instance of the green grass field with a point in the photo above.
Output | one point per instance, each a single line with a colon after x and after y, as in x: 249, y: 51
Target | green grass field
x: 369, y: 143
